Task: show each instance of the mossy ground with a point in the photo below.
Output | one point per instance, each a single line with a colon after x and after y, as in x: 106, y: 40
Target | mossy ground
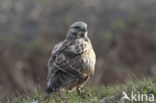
x: 99, y: 94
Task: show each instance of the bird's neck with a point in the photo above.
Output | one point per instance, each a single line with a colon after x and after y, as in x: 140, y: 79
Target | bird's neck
x: 73, y: 38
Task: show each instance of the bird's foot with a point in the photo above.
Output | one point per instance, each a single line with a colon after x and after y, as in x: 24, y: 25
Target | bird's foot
x: 83, y: 93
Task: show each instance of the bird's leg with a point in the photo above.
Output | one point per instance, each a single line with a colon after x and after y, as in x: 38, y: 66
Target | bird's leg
x: 78, y: 91
x: 83, y: 92
x: 67, y: 92
x: 84, y: 89
x: 86, y: 92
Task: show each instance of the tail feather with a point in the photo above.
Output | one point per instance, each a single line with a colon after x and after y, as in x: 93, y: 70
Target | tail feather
x: 58, y: 78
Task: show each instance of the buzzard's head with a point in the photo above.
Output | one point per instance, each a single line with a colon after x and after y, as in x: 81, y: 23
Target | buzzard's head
x: 77, y: 30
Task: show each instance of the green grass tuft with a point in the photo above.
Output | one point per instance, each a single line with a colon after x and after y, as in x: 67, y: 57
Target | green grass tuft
x: 109, y: 94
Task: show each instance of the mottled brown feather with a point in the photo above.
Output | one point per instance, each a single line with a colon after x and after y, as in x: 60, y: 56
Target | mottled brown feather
x: 71, y: 64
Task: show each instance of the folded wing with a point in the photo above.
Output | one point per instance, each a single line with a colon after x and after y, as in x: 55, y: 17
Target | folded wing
x: 68, y: 63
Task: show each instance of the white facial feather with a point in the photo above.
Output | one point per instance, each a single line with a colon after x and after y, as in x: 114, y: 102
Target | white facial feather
x: 77, y: 30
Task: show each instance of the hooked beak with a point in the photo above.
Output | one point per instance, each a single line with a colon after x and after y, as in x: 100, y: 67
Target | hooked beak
x: 83, y: 29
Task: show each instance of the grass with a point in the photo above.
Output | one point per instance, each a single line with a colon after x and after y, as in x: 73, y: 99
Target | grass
x: 101, y: 94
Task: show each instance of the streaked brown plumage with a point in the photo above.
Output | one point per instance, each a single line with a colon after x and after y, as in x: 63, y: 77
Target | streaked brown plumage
x: 72, y: 61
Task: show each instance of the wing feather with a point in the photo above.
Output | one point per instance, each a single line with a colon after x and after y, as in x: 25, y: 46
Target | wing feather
x: 66, y: 62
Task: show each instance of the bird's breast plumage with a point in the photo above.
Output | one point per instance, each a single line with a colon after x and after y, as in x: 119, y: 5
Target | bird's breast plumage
x: 84, y: 59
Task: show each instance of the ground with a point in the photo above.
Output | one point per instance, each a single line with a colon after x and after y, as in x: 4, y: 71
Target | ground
x: 99, y: 94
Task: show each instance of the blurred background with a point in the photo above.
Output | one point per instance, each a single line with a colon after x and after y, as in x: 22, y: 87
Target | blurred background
x: 123, y: 34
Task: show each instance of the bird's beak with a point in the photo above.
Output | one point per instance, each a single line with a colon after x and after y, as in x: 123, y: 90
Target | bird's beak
x: 83, y: 29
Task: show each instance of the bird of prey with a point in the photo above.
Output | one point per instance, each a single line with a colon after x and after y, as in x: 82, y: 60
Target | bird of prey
x: 72, y: 61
